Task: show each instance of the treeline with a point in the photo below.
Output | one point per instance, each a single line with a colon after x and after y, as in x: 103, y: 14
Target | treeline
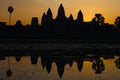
x: 63, y: 27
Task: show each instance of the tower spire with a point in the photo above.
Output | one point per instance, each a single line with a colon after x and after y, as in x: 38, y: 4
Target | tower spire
x: 80, y: 16
x: 61, y: 12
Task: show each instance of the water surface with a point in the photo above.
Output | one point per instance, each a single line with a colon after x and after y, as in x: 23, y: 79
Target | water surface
x: 61, y: 67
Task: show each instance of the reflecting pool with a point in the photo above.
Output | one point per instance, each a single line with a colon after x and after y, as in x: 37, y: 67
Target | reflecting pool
x: 80, y: 66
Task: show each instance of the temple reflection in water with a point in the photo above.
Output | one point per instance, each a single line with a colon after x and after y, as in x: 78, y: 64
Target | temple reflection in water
x: 62, y: 59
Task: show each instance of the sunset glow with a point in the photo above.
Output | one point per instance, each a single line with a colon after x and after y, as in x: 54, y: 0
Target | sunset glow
x: 26, y: 9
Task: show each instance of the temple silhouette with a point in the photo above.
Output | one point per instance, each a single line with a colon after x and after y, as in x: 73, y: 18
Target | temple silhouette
x: 63, y: 27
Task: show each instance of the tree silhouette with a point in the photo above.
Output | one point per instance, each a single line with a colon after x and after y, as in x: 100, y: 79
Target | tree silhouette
x: 117, y: 62
x: 10, y: 10
x: 99, y: 19
x: 117, y: 22
x: 98, y: 66
x: 9, y: 71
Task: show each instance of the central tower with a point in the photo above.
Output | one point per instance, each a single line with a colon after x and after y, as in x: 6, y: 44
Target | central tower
x: 61, y: 13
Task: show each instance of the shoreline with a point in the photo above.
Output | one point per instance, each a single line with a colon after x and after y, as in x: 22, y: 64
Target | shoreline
x: 58, y: 41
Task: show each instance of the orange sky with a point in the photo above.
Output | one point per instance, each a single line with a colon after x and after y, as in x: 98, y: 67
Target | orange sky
x: 26, y: 9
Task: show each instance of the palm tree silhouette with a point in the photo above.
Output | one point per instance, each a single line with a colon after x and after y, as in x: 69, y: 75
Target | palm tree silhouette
x: 98, y: 66
x: 117, y: 63
x: 10, y: 10
x: 99, y: 19
x: 117, y: 21
x: 9, y: 71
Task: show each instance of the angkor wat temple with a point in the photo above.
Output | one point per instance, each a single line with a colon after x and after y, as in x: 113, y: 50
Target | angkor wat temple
x: 63, y: 27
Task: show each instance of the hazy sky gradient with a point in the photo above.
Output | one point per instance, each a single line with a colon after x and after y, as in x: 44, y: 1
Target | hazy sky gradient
x: 26, y: 9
